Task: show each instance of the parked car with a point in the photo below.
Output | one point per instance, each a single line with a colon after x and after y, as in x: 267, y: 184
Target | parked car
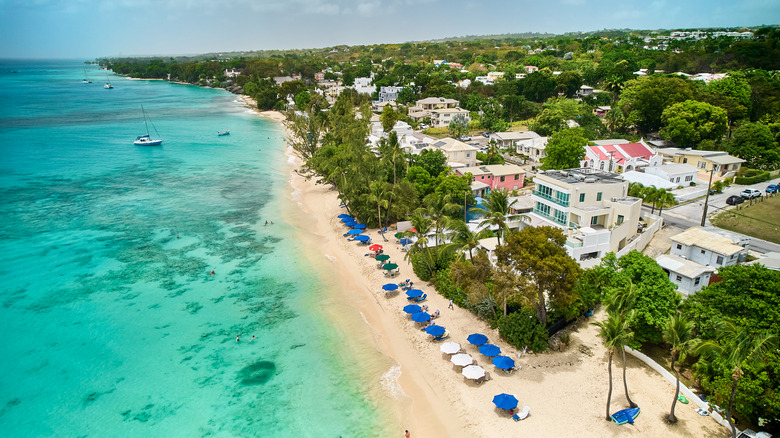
x: 735, y: 200
x: 751, y: 193
x: 486, y: 134
x: 771, y: 188
x: 465, y: 138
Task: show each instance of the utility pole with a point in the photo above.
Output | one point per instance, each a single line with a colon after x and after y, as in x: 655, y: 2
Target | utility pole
x: 707, y: 199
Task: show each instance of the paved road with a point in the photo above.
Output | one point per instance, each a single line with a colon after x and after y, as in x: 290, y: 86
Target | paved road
x: 689, y: 214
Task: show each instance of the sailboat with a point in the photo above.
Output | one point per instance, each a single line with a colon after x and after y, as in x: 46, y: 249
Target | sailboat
x: 108, y: 83
x: 85, y: 81
x: 146, y: 140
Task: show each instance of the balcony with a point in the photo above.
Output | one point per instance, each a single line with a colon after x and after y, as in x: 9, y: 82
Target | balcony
x: 549, y: 216
x: 551, y: 198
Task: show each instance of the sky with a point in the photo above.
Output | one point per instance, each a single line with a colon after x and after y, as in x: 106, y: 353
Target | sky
x: 89, y: 29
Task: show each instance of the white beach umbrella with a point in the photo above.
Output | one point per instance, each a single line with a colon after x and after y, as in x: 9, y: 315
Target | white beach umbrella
x: 473, y: 372
x: 462, y: 359
x: 450, y: 347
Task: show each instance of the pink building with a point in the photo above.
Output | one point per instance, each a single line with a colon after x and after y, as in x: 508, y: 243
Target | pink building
x: 497, y: 176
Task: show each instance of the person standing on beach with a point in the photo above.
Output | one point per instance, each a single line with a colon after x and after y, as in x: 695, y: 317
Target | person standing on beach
x: 406, y: 434
x: 450, y: 305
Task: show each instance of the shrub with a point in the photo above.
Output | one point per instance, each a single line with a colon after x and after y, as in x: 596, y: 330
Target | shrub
x: 448, y: 290
x: 522, y: 329
x: 753, y: 176
x: 420, y: 267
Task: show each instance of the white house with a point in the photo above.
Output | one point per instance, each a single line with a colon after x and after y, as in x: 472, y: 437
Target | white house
x: 689, y: 276
x: 389, y: 94
x: 678, y: 174
x: 442, y: 117
x: 458, y: 154
x: 710, y: 246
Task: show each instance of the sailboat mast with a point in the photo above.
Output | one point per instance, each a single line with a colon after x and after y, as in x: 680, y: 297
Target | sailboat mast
x: 145, y: 124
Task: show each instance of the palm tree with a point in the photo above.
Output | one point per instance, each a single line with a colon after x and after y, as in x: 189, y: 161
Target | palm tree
x: 616, y: 333
x: 492, y: 150
x: 463, y: 239
x: 379, y: 194
x: 423, y: 225
x: 664, y: 199
x: 737, y: 348
x: 497, y: 211
x: 621, y: 301
x: 678, y: 332
x: 649, y: 194
x: 635, y: 189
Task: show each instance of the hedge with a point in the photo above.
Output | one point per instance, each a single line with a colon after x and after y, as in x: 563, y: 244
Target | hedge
x: 761, y: 176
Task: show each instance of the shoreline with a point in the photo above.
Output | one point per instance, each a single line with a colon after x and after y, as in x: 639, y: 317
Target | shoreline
x: 431, y: 397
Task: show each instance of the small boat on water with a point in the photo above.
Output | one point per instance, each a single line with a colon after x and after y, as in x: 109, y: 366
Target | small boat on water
x: 226, y: 132
x: 108, y: 83
x: 147, y: 140
x: 86, y: 80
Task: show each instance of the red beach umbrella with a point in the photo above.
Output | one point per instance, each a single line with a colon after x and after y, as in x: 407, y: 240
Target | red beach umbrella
x: 375, y: 247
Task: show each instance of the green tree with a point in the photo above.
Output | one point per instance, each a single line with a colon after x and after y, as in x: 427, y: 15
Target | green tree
x: 497, y: 211
x: 422, y: 180
x: 678, y: 333
x: 434, y: 161
x: 388, y: 117
x: 565, y: 150
x: 755, y: 143
x: 664, y: 199
x: 688, y: 123
x: 621, y: 301
x: 616, y: 333
x: 537, y: 254
x: 643, y: 100
x: 459, y: 126
x: 548, y: 122
x: 380, y: 195
x: 736, y: 349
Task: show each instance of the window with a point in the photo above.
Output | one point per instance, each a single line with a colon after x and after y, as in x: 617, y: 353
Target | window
x: 598, y: 196
x: 582, y: 197
x: 517, y: 177
x: 468, y: 154
x: 702, y: 164
x: 679, y: 246
x: 696, y: 281
x: 702, y: 251
x: 678, y: 278
x: 719, y: 260
x: 503, y: 178
x: 678, y: 179
x: 620, y: 219
x: 560, y: 216
x: 685, y: 160
x: 688, y: 178
x: 594, y: 220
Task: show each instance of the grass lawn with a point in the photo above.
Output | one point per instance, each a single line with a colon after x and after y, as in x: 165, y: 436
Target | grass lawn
x: 761, y: 220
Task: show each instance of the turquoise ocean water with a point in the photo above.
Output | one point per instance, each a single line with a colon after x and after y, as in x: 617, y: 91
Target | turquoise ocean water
x: 111, y: 323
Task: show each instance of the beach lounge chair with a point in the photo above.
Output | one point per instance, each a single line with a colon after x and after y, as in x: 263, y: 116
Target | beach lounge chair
x: 522, y: 415
x: 421, y: 299
x: 484, y: 378
x: 443, y: 336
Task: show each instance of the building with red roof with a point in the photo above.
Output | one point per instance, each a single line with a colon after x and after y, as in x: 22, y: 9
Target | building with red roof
x: 620, y: 157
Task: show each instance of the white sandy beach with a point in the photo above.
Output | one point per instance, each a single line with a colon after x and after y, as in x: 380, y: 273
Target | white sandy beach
x: 566, y: 391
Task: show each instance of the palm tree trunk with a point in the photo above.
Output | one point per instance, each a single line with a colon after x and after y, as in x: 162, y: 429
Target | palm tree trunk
x: 609, y: 394
x: 625, y: 383
x: 671, y: 418
x: 731, y: 405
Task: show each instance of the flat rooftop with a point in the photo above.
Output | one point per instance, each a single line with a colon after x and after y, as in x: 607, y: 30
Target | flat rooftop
x: 584, y: 175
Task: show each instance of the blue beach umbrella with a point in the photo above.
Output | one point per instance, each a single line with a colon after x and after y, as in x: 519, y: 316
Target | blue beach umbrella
x: 355, y: 231
x: 390, y: 287
x: 412, y: 309
x: 362, y: 226
x: 477, y: 339
x: 362, y: 238
x: 505, y: 401
x: 435, y: 330
x: 347, y: 219
x: 344, y: 215
x: 490, y: 350
x: 414, y: 293
x: 421, y: 317
x: 504, y: 362
x: 405, y: 241
x: 350, y: 223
